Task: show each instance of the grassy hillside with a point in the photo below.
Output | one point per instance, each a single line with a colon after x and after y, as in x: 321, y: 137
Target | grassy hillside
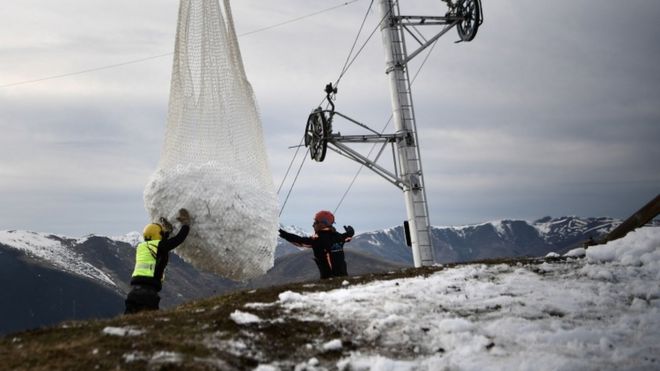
x: 198, y: 335
x: 206, y: 334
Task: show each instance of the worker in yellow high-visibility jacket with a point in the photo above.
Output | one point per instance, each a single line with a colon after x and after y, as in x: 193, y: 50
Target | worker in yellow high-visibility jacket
x: 151, y: 257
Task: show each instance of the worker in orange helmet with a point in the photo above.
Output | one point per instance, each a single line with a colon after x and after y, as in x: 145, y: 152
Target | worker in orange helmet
x: 327, y: 244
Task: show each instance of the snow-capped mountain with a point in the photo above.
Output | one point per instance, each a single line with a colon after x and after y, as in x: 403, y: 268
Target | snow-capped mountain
x: 52, y: 278
x: 495, y: 239
x: 56, y: 250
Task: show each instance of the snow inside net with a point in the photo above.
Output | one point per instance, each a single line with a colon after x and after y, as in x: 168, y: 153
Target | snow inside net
x: 214, y: 160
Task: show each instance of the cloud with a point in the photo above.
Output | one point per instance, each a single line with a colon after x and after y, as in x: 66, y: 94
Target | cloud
x: 552, y: 109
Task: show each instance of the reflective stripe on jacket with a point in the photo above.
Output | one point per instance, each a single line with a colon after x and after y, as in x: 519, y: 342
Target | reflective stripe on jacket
x: 145, y: 259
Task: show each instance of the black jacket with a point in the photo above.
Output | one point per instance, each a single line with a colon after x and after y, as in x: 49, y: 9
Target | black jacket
x: 162, y: 258
x: 328, y: 247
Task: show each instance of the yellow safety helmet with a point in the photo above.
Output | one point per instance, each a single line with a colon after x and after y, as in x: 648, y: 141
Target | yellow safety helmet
x: 152, y: 232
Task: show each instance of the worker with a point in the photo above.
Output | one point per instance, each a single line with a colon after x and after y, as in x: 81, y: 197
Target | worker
x: 151, y: 257
x: 326, y: 243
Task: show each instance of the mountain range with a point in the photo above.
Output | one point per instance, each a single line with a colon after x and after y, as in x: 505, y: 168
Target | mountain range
x: 48, y: 278
x: 495, y: 239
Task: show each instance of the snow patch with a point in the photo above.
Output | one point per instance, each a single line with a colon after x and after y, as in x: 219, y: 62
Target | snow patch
x: 53, y: 250
x: 332, y: 345
x: 122, y: 331
x: 267, y: 368
x: 645, y: 253
x: 500, y: 227
x: 289, y: 297
x: 134, y: 357
x: 244, y: 318
x: 165, y: 357
x: 576, y: 253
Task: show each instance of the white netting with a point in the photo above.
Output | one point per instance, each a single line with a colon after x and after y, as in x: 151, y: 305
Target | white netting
x: 214, y: 159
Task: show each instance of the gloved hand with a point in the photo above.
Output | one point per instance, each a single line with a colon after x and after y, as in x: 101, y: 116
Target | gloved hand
x: 184, y: 217
x: 282, y: 232
x: 350, y: 232
x: 167, y: 226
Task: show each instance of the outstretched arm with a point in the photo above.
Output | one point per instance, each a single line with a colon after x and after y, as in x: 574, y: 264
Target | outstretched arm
x: 177, y: 240
x: 295, y: 239
x: 171, y: 243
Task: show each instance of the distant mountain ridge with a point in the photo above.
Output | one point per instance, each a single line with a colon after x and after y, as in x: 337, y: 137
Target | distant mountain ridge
x: 495, y: 239
x: 51, y: 278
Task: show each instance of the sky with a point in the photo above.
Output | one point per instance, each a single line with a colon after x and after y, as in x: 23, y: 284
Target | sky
x: 551, y: 110
x: 596, y: 312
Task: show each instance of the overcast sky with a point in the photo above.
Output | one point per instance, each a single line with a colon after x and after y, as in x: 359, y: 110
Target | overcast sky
x: 553, y: 109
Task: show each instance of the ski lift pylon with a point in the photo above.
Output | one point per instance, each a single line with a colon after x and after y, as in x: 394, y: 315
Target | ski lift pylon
x: 466, y: 16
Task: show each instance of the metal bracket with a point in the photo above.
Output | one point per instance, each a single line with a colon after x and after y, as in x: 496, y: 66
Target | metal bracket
x: 466, y: 15
x: 351, y: 154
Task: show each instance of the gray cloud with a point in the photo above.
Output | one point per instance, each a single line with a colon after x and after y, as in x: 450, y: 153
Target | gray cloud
x: 552, y: 110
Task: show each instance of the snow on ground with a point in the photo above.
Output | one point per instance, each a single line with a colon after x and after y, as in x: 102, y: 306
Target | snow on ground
x: 243, y: 318
x: 122, y: 331
x: 52, y: 250
x: 157, y: 360
x: 601, y: 312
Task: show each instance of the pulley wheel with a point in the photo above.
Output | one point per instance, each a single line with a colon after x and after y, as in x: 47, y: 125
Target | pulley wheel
x: 316, y: 135
x: 470, y: 12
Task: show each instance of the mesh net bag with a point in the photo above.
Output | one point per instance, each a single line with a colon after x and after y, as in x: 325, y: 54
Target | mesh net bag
x: 214, y: 161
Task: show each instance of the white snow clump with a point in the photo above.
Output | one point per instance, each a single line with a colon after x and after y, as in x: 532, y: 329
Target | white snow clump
x: 243, y: 318
x: 122, y: 331
x: 234, y: 223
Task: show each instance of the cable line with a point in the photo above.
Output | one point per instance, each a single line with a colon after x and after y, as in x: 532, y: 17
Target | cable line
x: 349, y: 64
x: 86, y: 71
x: 290, y: 164
x: 294, y: 182
x: 344, y: 69
x: 348, y: 57
x: 299, y: 18
x: 170, y: 53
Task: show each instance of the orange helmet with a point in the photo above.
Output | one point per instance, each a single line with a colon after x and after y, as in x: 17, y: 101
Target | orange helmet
x: 324, y: 217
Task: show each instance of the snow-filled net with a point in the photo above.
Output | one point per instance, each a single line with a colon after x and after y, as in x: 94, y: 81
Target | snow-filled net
x: 214, y: 160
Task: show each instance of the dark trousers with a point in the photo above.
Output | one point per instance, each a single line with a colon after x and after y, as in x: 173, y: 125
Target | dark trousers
x: 321, y: 260
x: 141, y: 298
x: 331, y: 264
x: 338, y: 263
x: 324, y: 268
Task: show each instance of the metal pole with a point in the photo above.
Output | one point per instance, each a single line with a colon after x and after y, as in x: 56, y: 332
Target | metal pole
x: 407, y: 146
